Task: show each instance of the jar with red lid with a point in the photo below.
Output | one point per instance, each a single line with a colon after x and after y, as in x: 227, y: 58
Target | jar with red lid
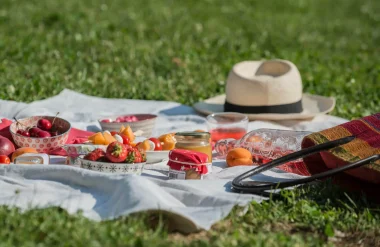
x: 195, y: 141
x: 186, y: 164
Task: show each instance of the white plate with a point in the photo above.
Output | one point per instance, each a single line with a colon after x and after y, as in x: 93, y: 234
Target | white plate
x: 157, y: 156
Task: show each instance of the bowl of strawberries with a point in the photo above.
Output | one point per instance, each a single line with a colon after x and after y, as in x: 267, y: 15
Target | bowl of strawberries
x: 42, y: 133
x: 115, y: 158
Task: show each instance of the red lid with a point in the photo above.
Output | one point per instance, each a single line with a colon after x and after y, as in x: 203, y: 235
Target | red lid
x: 188, y: 156
x: 180, y: 159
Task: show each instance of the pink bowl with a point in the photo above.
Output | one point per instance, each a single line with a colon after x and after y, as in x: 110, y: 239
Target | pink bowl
x: 42, y: 145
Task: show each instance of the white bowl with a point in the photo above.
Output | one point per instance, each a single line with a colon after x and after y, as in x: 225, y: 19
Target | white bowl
x: 146, y: 123
x: 115, y: 168
x: 157, y: 156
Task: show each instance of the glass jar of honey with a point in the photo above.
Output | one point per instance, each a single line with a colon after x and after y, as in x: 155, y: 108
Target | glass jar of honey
x: 195, y: 141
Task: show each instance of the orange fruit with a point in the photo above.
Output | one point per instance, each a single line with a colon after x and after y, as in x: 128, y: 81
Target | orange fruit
x: 21, y: 151
x: 199, y: 131
x: 97, y: 139
x: 129, y: 133
x: 168, y: 145
x: 167, y: 141
x: 108, y: 138
x: 167, y: 137
x: 145, y: 145
x: 122, y: 128
x: 239, y: 157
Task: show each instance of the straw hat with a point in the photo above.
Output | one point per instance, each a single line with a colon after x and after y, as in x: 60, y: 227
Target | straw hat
x: 266, y: 90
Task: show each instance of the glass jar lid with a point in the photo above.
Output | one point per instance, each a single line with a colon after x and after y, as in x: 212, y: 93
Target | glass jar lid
x: 193, y: 135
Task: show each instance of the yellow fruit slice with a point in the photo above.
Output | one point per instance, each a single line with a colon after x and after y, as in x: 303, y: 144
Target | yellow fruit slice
x: 168, y: 145
x: 97, y: 139
x: 167, y: 138
x: 108, y: 138
x: 129, y: 133
x: 122, y: 128
x: 167, y: 141
x: 145, y: 145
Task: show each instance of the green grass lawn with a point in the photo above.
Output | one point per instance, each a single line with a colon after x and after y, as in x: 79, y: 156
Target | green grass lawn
x: 182, y: 51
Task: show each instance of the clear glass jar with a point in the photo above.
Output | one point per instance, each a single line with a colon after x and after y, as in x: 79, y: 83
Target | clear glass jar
x: 194, y: 141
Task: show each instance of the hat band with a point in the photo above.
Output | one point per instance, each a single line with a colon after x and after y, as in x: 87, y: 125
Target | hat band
x: 281, y: 109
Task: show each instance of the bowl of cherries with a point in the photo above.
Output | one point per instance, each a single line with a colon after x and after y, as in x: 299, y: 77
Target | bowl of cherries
x: 40, y: 132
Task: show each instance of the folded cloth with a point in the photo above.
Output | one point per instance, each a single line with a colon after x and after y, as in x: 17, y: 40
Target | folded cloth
x: 76, y: 136
x: 366, y: 144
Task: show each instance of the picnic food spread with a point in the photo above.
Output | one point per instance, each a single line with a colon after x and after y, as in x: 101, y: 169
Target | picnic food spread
x: 124, y: 151
x: 121, y: 150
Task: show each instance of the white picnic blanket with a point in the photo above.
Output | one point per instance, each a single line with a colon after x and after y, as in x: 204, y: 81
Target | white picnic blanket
x: 191, y: 205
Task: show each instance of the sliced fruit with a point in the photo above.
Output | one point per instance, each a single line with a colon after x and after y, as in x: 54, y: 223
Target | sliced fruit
x: 146, y: 145
x: 129, y: 133
x: 97, y: 139
x: 122, y: 128
x: 108, y: 138
x: 166, y: 137
x: 167, y: 141
x: 168, y: 145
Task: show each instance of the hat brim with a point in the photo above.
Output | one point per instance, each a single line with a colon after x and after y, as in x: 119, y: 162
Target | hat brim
x: 313, y: 105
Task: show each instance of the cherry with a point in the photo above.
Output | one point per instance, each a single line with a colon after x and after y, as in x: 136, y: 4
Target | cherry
x: 33, y: 132
x: 54, y: 133
x: 43, y: 134
x: 44, y: 124
x: 23, y: 133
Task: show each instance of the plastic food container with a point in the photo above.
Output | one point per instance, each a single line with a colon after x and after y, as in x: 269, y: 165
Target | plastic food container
x: 186, y: 164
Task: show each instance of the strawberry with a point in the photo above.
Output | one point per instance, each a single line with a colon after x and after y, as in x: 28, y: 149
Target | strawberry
x: 116, y: 152
x: 95, y: 155
x: 134, y: 156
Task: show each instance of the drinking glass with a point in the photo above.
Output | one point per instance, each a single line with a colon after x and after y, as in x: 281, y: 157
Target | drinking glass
x: 227, y: 125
